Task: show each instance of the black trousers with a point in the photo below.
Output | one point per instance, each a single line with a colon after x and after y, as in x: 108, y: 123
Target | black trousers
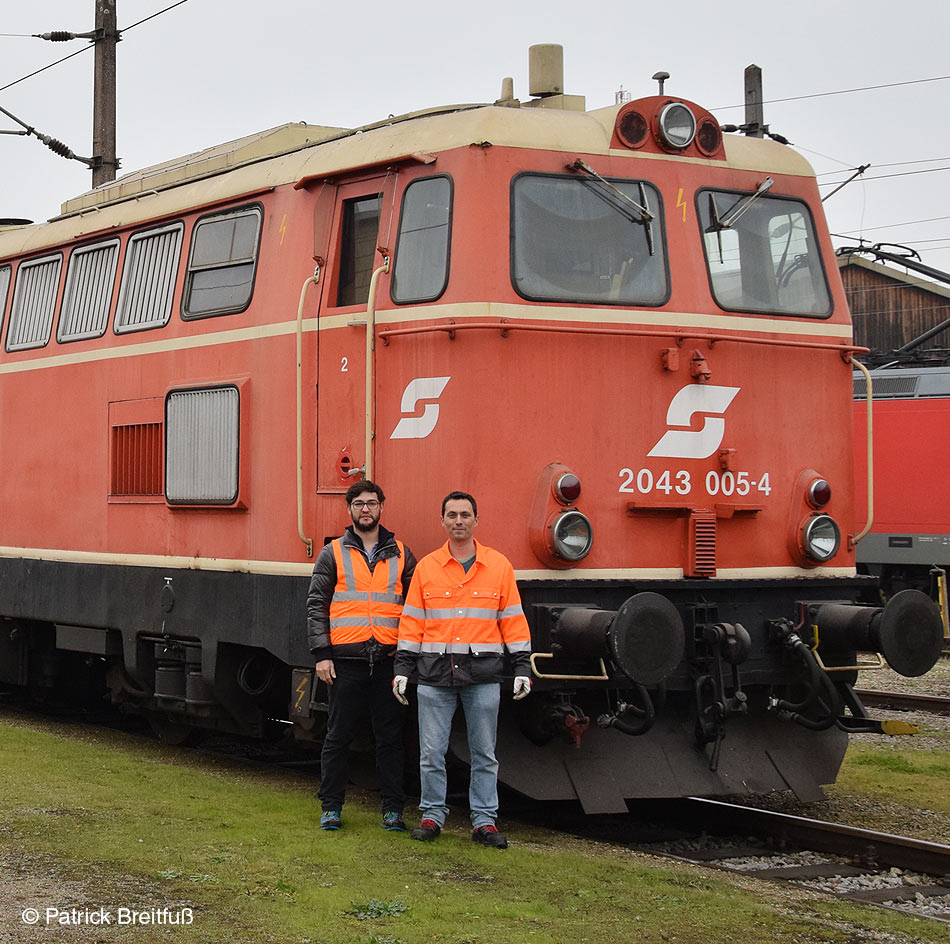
x: 361, y: 686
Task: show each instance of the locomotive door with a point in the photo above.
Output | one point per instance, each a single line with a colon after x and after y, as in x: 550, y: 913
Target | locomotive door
x: 341, y: 334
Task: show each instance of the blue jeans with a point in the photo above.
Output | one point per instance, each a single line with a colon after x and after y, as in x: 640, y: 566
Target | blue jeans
x: 437, y: 706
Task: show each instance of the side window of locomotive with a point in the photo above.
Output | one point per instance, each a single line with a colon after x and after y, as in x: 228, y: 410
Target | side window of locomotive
x: 762, y: 254
x: 90, y: 277
x: 359, y: 232
x: 202, y: 460
x: 222, y: 264
x: 4, y: 288
x: 34, y: 301
x: 421, y: 271
x: 580, y: 239
x: 148, y: 279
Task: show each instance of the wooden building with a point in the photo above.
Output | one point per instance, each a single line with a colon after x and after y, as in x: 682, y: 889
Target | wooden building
x: 891, y: 307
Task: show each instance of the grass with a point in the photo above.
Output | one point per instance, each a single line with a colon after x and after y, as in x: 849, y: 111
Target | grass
x: 116, y: 820
x: 898, y: 772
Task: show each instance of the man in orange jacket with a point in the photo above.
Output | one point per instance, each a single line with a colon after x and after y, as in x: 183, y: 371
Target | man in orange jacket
x: 462, y: 612
x: 357, y: 589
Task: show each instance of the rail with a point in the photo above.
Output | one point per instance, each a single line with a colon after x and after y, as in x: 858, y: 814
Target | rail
x: 680, y: 337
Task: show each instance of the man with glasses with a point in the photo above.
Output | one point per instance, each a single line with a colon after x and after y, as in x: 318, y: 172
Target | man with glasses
x: 356, y: 594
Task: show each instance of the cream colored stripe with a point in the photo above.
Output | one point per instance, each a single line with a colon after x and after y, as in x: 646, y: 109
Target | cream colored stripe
x: 257, y: 332
x: 675, y: 573
x: 274, y: 568
x: 607, y: 316
x: 292, y: 569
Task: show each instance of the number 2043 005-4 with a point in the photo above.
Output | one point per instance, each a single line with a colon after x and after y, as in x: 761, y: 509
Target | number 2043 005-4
x: 715, y: 482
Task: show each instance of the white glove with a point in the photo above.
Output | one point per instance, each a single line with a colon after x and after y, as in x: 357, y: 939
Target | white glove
x: 522, y: 686
x: 399, y: 689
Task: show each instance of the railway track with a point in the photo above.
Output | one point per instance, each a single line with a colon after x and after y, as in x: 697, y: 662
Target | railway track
x: 904, y: 701
x: 849, y: 863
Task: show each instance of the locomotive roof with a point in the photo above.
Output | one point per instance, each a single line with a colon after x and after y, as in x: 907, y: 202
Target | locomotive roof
x: 293, y: 152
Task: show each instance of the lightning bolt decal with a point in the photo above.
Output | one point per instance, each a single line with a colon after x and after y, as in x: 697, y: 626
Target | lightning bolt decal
x: 283, y: 228
x: 680, y: 202
x: 301, y: 688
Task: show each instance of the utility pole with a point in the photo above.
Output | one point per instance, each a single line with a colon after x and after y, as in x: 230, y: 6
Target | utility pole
x: 103, y: 104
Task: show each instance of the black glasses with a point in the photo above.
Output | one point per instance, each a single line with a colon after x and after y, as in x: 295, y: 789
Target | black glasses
x: 371, y: 505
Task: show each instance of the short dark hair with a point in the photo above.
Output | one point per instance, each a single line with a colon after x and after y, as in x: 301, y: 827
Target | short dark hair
x: 459, y: 496
x: 365, y: 486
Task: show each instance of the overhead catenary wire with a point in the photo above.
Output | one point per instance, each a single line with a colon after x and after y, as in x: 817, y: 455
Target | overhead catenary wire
x: 864, y: 88
x: 58, y: 147
x: 51, y: 65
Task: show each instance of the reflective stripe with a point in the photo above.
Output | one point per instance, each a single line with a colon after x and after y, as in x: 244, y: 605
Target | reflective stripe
x: 462, y: 612
x: 396, y: 598
x: 390, y: 622
x: 413, y: 611
x: 349, y: 579
x: 393, y: 577
x: 519, y: 646
x: 511, y: 611
x: 459, y: 648
x: 409, y: 645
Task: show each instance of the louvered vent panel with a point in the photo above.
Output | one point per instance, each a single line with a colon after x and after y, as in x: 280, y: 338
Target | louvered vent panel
x: 34, y: 299
x: 898, y: 387
x: 148, y: 279
x: 137, y: 459
x: 702, y: 545
x: 201, y: 463
x: 89, y: 281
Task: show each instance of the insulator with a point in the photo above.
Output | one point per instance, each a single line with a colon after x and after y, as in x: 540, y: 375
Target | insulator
x: 57, y: 147
x: 58, y: 36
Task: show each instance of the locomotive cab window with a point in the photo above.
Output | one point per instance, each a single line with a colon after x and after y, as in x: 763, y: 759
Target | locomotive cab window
x: 422, y: 247
x: 587, y: 240
x: 222, y: 264
x: 34, y: 301
x: 148, y: 279
x: 358, y: 235
x: 762, y: 254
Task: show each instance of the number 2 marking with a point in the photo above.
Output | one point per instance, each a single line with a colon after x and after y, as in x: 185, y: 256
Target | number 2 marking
x: 343, y: 365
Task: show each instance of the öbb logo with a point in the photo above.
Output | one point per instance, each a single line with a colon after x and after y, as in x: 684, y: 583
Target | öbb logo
x: 698, y: 443
x: 418, y: 390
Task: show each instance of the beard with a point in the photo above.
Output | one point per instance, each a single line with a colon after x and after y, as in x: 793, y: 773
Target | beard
x: 365, y: 528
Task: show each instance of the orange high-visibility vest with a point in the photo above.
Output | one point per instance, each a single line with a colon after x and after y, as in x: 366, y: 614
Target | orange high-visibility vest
x: 365, y: 604
x: 449, y: 610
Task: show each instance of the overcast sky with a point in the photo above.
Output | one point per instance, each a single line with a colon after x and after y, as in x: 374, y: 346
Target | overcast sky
x: 208, y: 71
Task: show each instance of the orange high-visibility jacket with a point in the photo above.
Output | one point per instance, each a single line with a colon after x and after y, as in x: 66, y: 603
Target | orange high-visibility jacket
x: 365, y: 604
x: 456, y: 626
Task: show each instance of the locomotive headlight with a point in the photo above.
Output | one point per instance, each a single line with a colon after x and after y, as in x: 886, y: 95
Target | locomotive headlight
x: 571, y: 536
x: 821, y: 537
x: 677, y: 125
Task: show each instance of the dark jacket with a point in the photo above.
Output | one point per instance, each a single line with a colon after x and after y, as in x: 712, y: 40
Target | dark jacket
x: 322, y: 584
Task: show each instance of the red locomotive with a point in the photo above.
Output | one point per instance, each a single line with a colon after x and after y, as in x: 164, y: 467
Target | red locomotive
x: 623, y: 332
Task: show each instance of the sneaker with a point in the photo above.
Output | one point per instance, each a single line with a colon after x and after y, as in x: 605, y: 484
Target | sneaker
x: 426, y: 831
x: 489, y: 836
x: 330, y: 819
x: 393, y: 822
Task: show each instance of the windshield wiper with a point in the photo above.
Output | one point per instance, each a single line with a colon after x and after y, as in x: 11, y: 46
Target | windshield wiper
x: 644, y: 216
x: 736, y: 211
